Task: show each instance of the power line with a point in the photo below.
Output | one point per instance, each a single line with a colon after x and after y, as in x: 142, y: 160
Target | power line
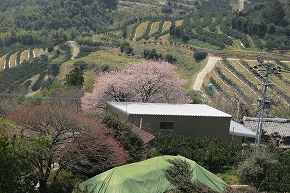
x: 118, y: 98
x: 92, y: 98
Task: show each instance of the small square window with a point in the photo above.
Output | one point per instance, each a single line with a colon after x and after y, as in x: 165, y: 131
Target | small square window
x: 166, y: 125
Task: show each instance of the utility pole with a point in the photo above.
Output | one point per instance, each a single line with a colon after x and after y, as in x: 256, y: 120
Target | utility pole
x: 264, y: 103
x: 238, y: 111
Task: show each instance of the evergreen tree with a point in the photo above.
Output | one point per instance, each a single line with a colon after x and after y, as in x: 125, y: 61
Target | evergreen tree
x: 75, y: 77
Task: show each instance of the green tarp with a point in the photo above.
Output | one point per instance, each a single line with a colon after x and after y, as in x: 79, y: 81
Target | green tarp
x: 148, y: 176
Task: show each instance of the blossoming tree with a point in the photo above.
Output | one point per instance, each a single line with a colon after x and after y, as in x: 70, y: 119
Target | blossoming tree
x: 144, y: 81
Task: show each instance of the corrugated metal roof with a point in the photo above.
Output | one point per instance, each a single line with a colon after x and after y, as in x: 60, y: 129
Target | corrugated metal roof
x: 239, y: 130
x: 270, y: 125
x: 168, y: 109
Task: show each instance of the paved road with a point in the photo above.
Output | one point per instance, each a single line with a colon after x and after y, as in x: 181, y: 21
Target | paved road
x: 75, y: 47
x: 209, y: 66
x: 212, y: 60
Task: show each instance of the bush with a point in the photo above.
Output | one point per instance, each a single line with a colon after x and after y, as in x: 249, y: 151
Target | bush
x: 180, y: 175
x: 253, y: 171
x: 50, y: 49
x: 200, y: 55
x: 65, y: 182
x: 131, y: 141
x: 81, y: 64
x: 38, y: 82
x: 208, y: 152
x: 171, y: 59
x: 125, y: 47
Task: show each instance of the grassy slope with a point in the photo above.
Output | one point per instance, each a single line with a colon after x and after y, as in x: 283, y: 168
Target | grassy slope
x: 101, y: 57
x: 166, y: 26
x: 187, y: 67
x: 154, y: 27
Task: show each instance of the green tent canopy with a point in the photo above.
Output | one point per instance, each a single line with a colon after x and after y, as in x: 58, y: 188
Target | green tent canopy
x: 148, y: 176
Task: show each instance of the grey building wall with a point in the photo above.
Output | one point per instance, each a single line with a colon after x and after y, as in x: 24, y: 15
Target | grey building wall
x: 186, y: 125
x: 191, y: 126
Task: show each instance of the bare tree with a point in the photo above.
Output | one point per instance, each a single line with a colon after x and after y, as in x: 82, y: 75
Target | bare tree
x: 8, y: 105
x: 52, y: 134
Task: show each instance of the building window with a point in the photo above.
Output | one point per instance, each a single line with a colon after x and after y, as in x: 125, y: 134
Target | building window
x: 166, y: 125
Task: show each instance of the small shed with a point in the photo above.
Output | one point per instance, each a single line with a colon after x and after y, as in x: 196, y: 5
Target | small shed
x: 192, y: 120
x: 238, y: 132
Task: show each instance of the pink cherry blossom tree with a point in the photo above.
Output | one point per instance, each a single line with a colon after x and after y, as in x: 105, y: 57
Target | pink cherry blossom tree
x: 144, y: 81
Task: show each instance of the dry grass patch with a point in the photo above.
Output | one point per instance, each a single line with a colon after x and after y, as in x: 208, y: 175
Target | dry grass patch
x: 164, y: 38
x: 12, y: 60
x: 152, y: 40
x: 2, y: 61
x: 166, y: 26
x: 154, y: 27
x: 245, y: 71
x: 280, y: 84
x: 234, y: 78
x: 178, y: 23
x: 24, y: 56
x: 286, y: 75
x: 37, y: 52
x: 140, y: 29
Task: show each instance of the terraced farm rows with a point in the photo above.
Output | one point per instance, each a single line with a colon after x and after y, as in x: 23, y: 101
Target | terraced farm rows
x: 166, y: 26
x: 3, y: 62
x: 140, y: 30
x: 242, y: 79
x: 11, y: 60
x: 154, y: 27
x: 154, y: 31
x: 25, y: 55
x: 277, y: 89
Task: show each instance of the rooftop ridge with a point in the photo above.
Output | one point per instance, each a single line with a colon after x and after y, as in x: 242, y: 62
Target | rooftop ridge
x: 274, y: 120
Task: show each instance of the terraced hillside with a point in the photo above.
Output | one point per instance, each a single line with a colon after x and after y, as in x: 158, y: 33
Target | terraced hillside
x: 157, y: 32
x: 242, y: 80
x: 3, y: 62
x: 25, y: 56
x: 11, y: 60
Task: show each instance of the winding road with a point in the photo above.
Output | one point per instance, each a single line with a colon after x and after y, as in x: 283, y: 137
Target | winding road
x: 75, y: 47
x: 209, y: 66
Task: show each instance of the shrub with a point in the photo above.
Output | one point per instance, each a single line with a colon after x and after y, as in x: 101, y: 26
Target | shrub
x: 200, y: 55
x: 180, y: 175
x: 50, y: 49
x: 131, y: 141
x: 208, y: 152
x: 253, y: 171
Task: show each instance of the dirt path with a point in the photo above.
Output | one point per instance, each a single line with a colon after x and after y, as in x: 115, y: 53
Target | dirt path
x: 241, y: 5
x: 75, y: 47
x: 209, y: 66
